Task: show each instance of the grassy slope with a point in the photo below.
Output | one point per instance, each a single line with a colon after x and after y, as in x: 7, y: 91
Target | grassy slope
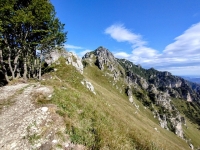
x: 191, y: 130
x: 105, y: 120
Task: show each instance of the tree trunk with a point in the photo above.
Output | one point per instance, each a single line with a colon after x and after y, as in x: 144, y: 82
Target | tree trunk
x: 29, y: 72
x: 3, y: 67
x: 9, y: 59
x: 16, y: 62
x: 40, y: 66
x: 40, y: 71
x: 33, y: 68
x: 25, y: 70
x: 18, y: 74
x: 10, y: 66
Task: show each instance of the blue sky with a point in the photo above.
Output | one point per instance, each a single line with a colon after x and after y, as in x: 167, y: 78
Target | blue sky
x: 163, y: 34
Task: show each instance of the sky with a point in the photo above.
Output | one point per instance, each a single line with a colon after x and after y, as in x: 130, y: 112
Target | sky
x: 163, y: 34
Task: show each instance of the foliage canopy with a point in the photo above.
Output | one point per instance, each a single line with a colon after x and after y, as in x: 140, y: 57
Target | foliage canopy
x: 27, y: 27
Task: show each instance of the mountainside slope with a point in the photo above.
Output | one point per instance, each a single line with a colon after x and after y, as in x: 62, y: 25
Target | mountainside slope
x: 158, y: 91
x: 102, y: 117
x: 106, y: 106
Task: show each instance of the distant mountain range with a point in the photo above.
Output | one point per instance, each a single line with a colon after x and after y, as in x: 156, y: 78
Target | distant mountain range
x: 195, y: 79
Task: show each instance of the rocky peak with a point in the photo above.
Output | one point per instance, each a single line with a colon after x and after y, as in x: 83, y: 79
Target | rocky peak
x: 104, y: 53
x: 100, y: 52
x: 103, y: 58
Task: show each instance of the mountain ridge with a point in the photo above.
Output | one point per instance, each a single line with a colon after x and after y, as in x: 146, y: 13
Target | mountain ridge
x: 157, y: 90
x: 194, y: 79
x: 105, y: 105
x: 165, y: 78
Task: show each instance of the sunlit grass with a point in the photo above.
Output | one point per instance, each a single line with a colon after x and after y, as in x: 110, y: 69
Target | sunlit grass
x: 106, y: 120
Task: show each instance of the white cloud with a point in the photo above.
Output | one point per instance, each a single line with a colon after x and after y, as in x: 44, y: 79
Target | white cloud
x: 121, y: 34
x: 192, y: 70
x: 186, y: 44
x: 68, y: 46
x: 180, y: 57
x: 82, y: 53
x: 121, y: 54
x: 140, y: 53
x: 145, y: 52
x: 78, y: 50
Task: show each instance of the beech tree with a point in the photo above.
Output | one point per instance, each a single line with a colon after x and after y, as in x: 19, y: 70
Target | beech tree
x: 27, y: 27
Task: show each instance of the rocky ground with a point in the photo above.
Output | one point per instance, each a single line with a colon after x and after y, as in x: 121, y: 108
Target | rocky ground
x: 25, y: 125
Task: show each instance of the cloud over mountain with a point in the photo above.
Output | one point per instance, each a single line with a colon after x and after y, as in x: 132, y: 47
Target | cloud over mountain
x: 181, y: 56
x: 121, y: 34
x: 80, y: 51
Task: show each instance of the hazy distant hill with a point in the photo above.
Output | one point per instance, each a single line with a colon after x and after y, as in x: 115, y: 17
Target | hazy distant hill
x: 192, y: 79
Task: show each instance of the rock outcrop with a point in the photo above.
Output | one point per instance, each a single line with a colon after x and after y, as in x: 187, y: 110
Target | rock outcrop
x: 52, y: 57
x: 71, y: 59
x: 88, y: 85
x: 104, y: 59
x: 176, y: 86
x: 133, y: 78
x: 177, y: 124
x: 129, y: 93
x: 74, y: 60
x: 163, y: 121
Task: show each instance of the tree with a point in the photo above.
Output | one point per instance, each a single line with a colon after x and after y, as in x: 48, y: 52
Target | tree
x: 27, y: 26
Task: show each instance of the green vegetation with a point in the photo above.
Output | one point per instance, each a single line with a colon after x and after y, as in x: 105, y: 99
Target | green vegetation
x: 190, y: 109
x: 28, y: 30
x: 34, y: 137
x: 106, y: 120
x: 137, y: 69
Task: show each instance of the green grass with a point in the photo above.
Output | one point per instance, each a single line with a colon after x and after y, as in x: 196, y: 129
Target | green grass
x: 191, y: 131
x: 106, y: 120
x: 191, y: 112
x: 32, y: 138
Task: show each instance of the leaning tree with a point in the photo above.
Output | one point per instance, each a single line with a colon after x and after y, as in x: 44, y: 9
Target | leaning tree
x: 26, y: 28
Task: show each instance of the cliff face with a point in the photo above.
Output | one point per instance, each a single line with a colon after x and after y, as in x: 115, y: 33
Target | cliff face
x: 154, y: 88
x: 104, y: 60
x: 175, y: 86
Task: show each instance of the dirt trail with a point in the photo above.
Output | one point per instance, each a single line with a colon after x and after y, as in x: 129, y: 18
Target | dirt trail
x: 18, y: 116
x: 8, y: 91
x: 23, y: 126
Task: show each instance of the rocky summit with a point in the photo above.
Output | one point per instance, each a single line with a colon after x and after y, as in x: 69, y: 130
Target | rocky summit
x: 99, y: 102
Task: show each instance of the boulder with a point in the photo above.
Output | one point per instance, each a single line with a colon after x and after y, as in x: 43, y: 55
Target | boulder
x: 88, y: 85
x: 74, y: 60
x: 71, y: 59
